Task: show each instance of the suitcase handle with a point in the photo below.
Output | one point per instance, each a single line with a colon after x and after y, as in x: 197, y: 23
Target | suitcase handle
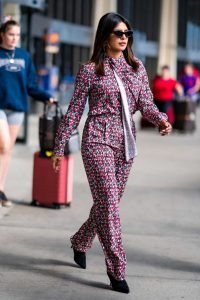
x: 58, y: 109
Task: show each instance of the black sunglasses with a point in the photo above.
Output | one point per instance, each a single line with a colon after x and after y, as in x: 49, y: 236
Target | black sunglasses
x: 127, y: 33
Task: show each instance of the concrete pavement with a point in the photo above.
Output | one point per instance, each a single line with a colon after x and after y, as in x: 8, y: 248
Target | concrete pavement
x: 160, y: 215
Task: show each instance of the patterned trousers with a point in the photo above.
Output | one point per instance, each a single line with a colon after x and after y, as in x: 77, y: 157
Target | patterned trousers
x: 107, y: 173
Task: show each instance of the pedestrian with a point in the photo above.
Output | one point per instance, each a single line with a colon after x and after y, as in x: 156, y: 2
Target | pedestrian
x: 164, y: 88
x: 116, y: 84
x: 17, y: 80
x: 190, y: 80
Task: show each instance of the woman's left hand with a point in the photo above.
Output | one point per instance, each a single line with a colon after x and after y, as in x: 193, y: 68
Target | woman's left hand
x: 165, y: 128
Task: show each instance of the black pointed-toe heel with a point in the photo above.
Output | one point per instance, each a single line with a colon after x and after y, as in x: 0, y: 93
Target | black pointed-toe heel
x: 80, y: 258
x: 119, y: 285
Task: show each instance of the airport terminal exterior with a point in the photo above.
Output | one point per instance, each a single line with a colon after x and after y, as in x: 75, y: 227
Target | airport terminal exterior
x: 165, y: 31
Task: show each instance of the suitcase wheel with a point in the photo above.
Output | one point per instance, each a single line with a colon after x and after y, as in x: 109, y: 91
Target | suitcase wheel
x: 56, y: 206
x: 33, y: 202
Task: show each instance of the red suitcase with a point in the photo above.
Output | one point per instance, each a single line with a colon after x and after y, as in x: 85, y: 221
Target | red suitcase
x: 49, y: 188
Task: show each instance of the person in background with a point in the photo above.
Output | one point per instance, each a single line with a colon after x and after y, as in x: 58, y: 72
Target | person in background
x: 17, y: 81
x: 163, y: 88
x: 116, y: 84
x: 190, y: 80
x: 195, y: 70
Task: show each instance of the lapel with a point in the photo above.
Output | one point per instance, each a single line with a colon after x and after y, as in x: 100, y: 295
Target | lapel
x: 131, y: 79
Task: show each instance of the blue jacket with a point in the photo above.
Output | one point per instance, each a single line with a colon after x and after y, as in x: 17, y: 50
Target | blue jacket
x: 18, y: 79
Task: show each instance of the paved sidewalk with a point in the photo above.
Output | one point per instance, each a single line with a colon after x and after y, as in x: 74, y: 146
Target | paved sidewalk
x: 160, y: 215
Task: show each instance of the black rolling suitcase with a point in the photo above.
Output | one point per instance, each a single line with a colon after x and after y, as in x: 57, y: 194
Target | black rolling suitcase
x: 48, y: 125
x: 185, y: 115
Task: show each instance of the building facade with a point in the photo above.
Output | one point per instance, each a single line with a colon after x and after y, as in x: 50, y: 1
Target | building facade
x: 165, y: 31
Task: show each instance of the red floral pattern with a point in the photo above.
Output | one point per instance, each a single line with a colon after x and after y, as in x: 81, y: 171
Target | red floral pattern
x: 103, y: 149
x: 105, y: 103
x: 107, y: 173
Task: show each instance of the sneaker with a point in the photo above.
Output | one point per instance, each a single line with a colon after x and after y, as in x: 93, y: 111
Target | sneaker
x: 4, y: 201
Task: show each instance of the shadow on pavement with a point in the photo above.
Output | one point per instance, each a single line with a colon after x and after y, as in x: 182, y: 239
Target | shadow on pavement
x: 21, y: 202
x: 29, y: 264
x: 163, y: 262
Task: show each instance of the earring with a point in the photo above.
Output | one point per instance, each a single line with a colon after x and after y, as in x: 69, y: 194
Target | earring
x: 106, y: 46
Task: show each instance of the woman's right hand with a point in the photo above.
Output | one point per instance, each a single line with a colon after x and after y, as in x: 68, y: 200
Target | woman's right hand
x: 56, y: 160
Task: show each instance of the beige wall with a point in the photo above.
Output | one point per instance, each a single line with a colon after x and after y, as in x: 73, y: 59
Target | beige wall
x: 12, y: 10
x: 167, y: 54
x: 102, y: 7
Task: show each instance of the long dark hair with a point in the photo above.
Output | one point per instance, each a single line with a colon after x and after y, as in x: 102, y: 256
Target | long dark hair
x: 106, y: 25
x: 6, y: 26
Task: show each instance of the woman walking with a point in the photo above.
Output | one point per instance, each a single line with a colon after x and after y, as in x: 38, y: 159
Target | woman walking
x: 116, y: 84
x: 17, y: 80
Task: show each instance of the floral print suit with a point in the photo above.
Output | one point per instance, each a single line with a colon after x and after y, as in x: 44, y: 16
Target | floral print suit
x: 103, y: 150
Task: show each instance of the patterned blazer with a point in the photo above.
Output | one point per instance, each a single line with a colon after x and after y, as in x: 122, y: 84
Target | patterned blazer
x: 104, y: 122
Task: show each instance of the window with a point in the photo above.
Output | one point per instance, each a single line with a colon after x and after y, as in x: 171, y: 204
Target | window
x: 74, y: 11
x: 143, y: 15
x: 189, y: 24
